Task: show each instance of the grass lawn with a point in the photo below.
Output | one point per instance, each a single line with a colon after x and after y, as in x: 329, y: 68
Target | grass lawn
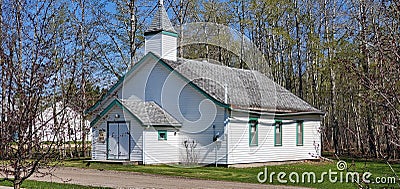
x: 42, y: 185
x: 249, y: 175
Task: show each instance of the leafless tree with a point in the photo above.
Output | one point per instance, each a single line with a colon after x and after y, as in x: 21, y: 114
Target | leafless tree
x: 36, y: 72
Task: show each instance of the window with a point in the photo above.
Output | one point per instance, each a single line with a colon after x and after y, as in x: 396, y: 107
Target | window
x: 162, y: 135
x: 253, y: 132
x: 299, y: 133
x: 278, y: 133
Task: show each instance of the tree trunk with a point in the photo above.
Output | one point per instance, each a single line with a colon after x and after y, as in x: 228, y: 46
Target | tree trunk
x: 83, y: 78
x: 181, y: 19
x: 298, y: 46
x: 365, y: 65
x: 241, y: 21
x: 2, y: 83
x: 132, y: 35
x: 371, y: 135
x: 17, y: 185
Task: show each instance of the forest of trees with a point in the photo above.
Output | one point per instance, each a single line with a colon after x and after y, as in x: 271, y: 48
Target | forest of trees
x: 342, y: 56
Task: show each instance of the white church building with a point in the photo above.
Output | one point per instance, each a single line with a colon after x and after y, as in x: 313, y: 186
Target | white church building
x: 174, y: 110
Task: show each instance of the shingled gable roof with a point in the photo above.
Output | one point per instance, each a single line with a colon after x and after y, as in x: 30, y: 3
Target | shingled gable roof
x: 160, y: 22
x: 148, y: 113
x: 246, y: 89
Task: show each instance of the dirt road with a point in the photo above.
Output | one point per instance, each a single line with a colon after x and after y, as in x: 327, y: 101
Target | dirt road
x: 118, y: 179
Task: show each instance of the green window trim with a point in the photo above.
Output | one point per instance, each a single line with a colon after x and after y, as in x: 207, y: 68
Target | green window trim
x: 278, y: 123
x: 162, y: 135
x: 173, y: 34
x: 253, y: 139
x: 301, y: 125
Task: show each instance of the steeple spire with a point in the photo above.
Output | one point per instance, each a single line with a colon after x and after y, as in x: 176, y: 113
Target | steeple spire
x: 160, y: 21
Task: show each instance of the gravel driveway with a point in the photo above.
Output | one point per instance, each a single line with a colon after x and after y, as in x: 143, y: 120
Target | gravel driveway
x: 119, y: 179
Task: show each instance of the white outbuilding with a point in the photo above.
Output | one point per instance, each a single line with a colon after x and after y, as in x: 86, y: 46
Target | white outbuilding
x: 61, y: 123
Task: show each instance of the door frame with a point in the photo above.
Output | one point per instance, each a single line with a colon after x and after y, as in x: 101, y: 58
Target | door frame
x: 128, y: 123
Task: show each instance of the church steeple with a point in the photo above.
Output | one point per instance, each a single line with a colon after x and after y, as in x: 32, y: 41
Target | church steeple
x: 160, y: 36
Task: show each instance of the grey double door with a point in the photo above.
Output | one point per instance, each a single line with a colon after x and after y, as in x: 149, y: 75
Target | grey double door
x: 118, y: 141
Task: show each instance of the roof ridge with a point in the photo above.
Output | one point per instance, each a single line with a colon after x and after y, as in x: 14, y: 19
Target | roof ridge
x: 233, y: 68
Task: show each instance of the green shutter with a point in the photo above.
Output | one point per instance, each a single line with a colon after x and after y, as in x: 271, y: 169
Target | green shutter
x: 253, y: 138
x: 300, y: 133
x: 278, y: 140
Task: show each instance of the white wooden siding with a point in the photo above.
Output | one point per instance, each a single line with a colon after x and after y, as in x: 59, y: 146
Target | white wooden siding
x: 196, y: 113
x: 136, y: 153
x: 160, y: 151
x: 135, y: 84
x: 99, y: 150
x: 153, y: 44
x: 169, y: 45
x: 162, y: 45
x: 266, y: 151
x: 155, y: 84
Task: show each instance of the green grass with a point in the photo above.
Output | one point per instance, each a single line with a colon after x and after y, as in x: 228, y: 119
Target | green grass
x: 42, y: 185
x: 249, y: 175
